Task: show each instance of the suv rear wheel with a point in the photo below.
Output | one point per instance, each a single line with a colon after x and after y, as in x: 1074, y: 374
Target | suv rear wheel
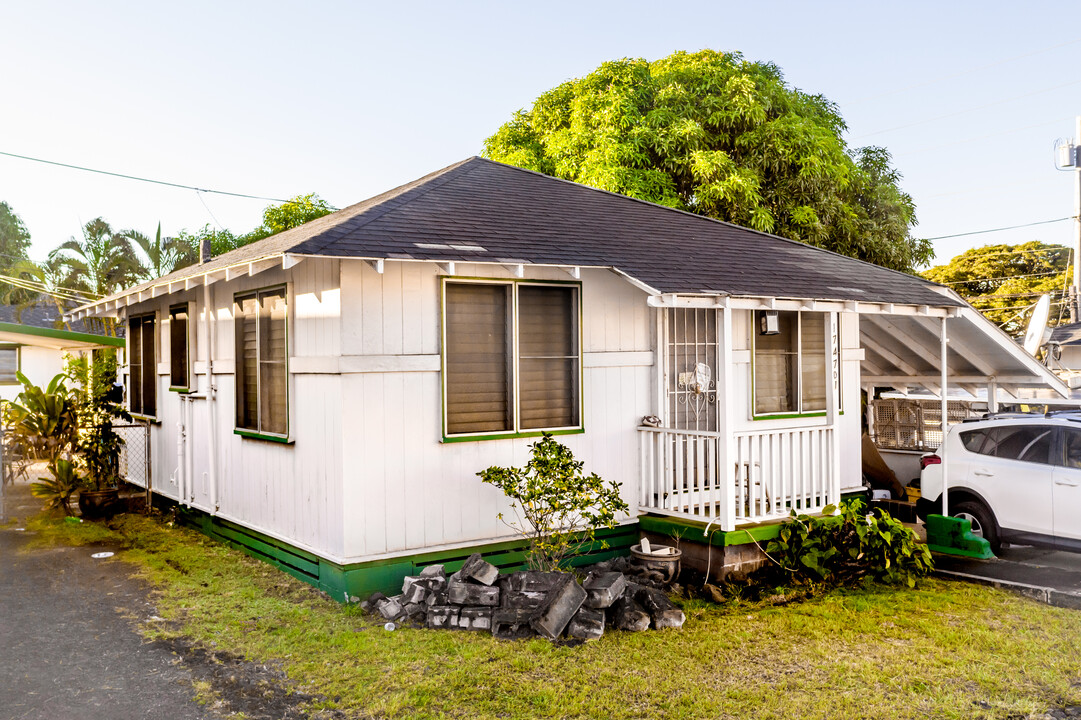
x: 982, y: 521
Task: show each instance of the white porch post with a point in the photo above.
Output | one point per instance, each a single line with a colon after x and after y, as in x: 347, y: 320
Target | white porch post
x: 833, y: 379
x: 726, y: 427
x: 945, y: 421
x: 992, y: 396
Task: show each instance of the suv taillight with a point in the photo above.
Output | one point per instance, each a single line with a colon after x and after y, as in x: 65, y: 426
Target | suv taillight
x: 929, y: 460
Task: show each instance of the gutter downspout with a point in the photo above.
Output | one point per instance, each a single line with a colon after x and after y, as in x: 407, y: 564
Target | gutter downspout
x: 945, y: 424
x: 211, y: 397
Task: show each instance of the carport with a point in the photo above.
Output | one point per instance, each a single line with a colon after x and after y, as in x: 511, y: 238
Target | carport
x: 961, y: 351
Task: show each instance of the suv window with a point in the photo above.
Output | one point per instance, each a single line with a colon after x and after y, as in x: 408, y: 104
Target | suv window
x: 1028, y: 443
x: 973, y: 440
x: 1071, y: 446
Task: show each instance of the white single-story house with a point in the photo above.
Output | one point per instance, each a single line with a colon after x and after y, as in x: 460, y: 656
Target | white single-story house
x: 326, y: 397
x: 31, y: 343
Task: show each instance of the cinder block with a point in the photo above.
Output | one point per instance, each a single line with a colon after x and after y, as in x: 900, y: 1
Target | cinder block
x: 628, y: 615
x: 477, y: 568
x: 587, y: 624
x: 462, y: 593
x: 563, y: 601
x: 661, y: 609
x: 475, y: 618
x: 603, y: 589
x: 527, y: 590
x: 433, y: 571
x: 442, y: 616
x: 389, y: 608
x: 512, y: 624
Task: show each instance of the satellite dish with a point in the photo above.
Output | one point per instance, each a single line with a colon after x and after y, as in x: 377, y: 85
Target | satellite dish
x: 1037, y: 324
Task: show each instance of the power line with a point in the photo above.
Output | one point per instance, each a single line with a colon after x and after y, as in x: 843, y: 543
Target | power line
x: 1052, y: 248
x: 1004, y: 277
x: 1000, y: 229
x: 141, y: 179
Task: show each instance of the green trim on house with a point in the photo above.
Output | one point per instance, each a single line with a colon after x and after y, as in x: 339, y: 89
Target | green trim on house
x: 694, y: 531
x: 513, y: 436
x: 253, y: 435
x: 359, y: 580
x: 61, y: 334
x: 790, y: 416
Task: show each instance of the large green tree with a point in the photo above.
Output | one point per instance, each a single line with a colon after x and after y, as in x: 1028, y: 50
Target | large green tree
x: 1004, y: 281
x: 14, y: 237
x: 101, y: 262
x: 717, y: 135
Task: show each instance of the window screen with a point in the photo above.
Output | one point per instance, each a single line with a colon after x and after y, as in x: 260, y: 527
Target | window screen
x: 491, y: 390
x: 775, y: 360
x: 142, y: 365
x: 261, y: 361
x: 178, y: 347
x: 813, y: 361
x: 790, y: 368
x: 9, y: 364
x: 547, y: 356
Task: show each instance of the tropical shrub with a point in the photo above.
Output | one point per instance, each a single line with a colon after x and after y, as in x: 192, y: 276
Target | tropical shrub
x: 557, y: 507
x: 57, y: 492
x: 97, y: 407
x: 42, y: 424
x: 853, y: 546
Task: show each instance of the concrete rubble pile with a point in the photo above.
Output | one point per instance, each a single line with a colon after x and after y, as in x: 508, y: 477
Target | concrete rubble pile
x: 526, y: 604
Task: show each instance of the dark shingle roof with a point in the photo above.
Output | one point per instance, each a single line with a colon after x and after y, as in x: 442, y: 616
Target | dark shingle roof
x: 1066, y: 334
x: 483, y: 211
x: 44, y: 315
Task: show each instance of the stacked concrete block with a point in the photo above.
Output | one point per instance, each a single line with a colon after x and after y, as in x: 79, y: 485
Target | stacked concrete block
x: 527, y: 604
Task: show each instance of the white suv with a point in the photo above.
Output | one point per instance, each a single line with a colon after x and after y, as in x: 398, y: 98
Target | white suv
x: 1016, y: 478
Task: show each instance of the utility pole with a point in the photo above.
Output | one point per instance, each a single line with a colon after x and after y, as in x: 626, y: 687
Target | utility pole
x: 1075, y: 314
x: 1068, y: 157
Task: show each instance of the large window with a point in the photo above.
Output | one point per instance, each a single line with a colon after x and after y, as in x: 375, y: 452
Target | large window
x: 261, y: 373
x: 179, y: 360
x: 142, y: 366
x: 511, y: 358
x: 790, y: 368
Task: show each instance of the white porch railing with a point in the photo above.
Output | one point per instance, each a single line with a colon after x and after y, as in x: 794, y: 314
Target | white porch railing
x: 769, y: 474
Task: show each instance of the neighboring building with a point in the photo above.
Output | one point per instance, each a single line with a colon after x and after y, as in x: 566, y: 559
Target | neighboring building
x: 34, y: 342
x: 365, y: 366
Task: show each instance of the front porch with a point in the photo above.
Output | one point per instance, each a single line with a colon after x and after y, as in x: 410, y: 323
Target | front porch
x: 755, y: 425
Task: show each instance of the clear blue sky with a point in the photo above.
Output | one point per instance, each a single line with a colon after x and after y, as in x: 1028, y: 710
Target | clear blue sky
x: 350, y: 99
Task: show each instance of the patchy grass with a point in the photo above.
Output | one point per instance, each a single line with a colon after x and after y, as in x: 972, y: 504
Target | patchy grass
x: 943, y: 650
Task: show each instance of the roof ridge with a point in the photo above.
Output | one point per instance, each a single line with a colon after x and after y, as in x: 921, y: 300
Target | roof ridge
x: 711, y: 219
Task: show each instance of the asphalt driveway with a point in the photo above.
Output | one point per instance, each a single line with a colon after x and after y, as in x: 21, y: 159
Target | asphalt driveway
x: 1051, y: 576
x: 67, y: 644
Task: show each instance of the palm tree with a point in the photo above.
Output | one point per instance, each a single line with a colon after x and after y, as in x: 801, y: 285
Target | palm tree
x: 102, y: 263
x: 160, y: 256
x: 28, y: 284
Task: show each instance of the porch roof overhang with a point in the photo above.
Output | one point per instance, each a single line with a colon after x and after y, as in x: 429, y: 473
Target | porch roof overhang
x: 904, y: 351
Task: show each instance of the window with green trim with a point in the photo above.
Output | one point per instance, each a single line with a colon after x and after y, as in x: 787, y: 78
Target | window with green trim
x: 511, y: 357
x: 9, y: 364
x: 142, y: 366
x: 790, y: 365
x: 262, y: 387
x: 179, y: 358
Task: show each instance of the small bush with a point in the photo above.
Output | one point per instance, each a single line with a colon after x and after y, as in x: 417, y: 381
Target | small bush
x: 844, y: 549
x: 557, y: 507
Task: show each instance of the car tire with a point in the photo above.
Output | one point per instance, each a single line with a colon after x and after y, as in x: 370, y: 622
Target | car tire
x: 982, y: 521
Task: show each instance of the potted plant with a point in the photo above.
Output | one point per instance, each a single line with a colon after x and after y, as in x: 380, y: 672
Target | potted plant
x: 98, y: 447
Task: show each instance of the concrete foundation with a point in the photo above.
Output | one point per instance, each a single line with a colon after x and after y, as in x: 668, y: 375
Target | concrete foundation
x: 718, y: 562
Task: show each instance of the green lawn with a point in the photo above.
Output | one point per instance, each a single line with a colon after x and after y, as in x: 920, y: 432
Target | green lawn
x: 943, y: 650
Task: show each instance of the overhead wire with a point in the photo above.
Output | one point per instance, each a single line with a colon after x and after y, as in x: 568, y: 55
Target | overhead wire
x: 1000, y: 229
x: 141, y: 179
x: 1004, y: 277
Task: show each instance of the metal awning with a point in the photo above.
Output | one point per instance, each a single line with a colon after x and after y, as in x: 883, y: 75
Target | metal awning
x: 904, y: 351
x: 56, y: 339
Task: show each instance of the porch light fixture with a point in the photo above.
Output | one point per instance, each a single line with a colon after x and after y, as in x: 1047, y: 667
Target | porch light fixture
x: 770, y: 325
